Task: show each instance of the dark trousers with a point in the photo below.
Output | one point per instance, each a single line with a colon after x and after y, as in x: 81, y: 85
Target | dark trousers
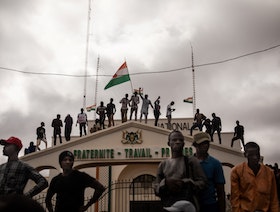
x: 67, y: 132
x: 111, y: 120
x: 83, y: 127
x: 102, y: 120
x: 236, y: 138
x: 124, y: 115
x: 195, y: 125
x: 54, y: 137
x: 218, y: 132
x: 133, y: 110
x: 156, y: 114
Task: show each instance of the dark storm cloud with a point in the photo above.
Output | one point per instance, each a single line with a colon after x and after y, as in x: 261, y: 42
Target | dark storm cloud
x: 151, y: 36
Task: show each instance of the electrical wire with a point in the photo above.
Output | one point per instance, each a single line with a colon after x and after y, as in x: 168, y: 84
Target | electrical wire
x: 146, y: 73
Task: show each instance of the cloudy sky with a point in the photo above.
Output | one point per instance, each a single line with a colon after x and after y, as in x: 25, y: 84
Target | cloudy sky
x: 43, y: 48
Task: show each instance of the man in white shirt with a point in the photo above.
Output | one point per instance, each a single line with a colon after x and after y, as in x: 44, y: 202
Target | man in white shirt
x: 169, y: 110
x: 82, y: 120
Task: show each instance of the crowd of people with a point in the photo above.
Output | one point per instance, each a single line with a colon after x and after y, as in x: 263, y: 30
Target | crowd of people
x: 102, y: 111
x: 69, y: 186
x: 200, y: 121
x: 183, y: 183
x: 196, y: 183
x: 215, y: 125
x: 57, y: 125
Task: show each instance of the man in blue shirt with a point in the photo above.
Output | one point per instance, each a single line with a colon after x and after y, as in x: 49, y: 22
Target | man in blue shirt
x: 213, y: 197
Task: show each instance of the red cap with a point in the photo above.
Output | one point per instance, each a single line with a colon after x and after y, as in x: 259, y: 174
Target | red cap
x: 12, y: 140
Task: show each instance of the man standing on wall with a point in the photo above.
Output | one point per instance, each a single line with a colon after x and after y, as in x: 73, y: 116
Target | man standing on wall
x: 238, y: 134
x: 68, y: 127
x: 157, y: 110
x: 145, y: 107
x: 82, y: 120
x: 198, y: 119
x: 111, y: 110
x: 125, y: 102
x: 41, y: 136
x: 216, y: 126
x: 169, y: 111
x: 134, y: 101
x: 101, y: 111
x: 57, y: 124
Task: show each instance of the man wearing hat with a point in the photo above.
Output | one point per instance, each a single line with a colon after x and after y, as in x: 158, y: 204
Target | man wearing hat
x: 69, y: 187
x: 14, y: 174
x: 213, y: 197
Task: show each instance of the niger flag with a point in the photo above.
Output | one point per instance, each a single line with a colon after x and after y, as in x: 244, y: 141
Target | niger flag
x: 119, y: 77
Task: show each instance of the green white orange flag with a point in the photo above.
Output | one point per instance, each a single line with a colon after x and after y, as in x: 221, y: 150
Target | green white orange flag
x: 188, y: 100
x: 119, y: 77
x: 90, y: 108
x: 138, y: 91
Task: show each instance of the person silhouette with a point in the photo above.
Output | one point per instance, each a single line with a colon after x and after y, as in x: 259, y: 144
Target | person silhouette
x: 238, y: 134
x: 101, y: 111
x: 125, y: 102
x: 157, y: 110
x: 198, y: 119
x: 57, y: 124
x: 134, y: 101
x: 216, y: 126
x: 41, y: 135
x: 111, y: 110
x: 208, y: 126
x: 145, y: 107
x: 169, y: 111
x: 68, y: 127
x: 32, y: 147
x: 82, y: 120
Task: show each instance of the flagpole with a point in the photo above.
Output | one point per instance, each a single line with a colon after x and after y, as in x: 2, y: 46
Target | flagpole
x: 193, y: 78
x: 96, y: 87
x: 86, y: 56
x: 130, y: 79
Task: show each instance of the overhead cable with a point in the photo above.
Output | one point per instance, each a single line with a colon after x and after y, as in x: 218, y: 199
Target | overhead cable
x: 144, y: 73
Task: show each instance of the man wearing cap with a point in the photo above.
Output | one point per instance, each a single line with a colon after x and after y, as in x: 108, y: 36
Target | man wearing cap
x: 14, y: 174
x: 69, y: 187
x: 179, y: 177
x: 213, y: 197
